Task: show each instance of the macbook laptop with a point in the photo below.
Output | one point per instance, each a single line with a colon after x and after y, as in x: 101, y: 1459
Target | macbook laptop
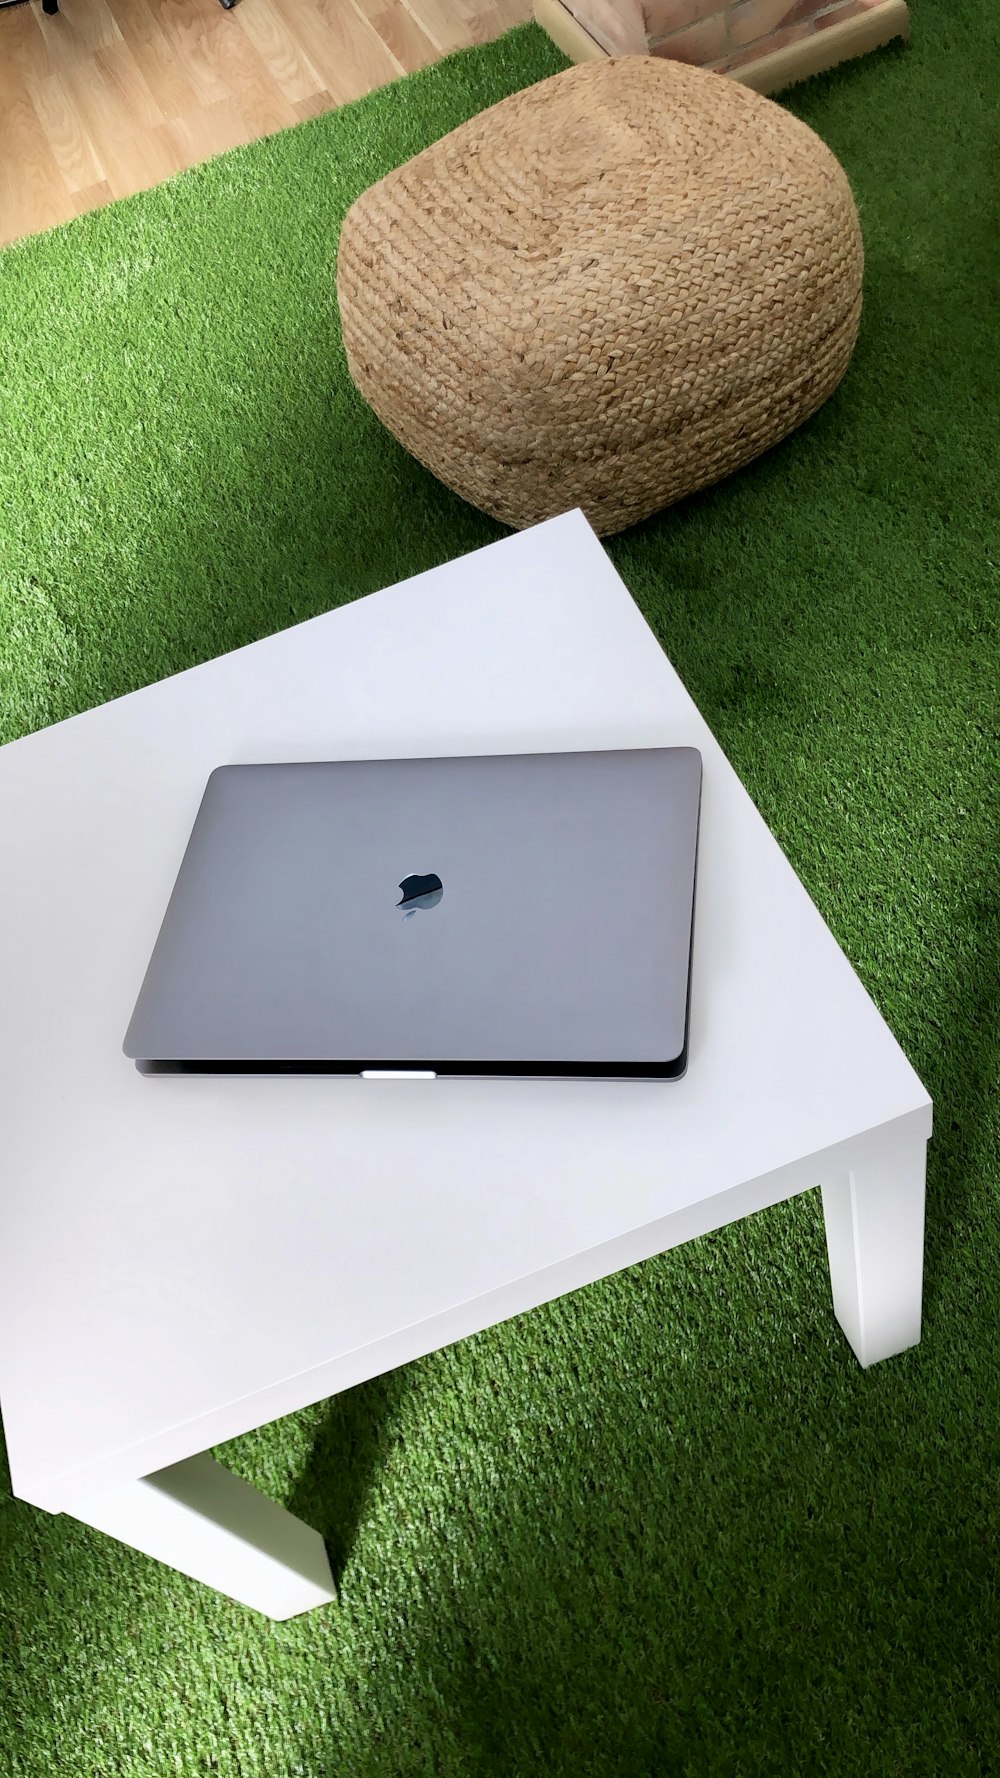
x: 525, y: 914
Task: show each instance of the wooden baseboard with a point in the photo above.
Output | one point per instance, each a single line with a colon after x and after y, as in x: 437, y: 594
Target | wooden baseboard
x: 824, y: 49
x: 565, y: 32
x: 770, y: 74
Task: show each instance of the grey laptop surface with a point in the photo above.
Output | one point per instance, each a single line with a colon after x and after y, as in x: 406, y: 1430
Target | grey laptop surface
x: 511, y: 914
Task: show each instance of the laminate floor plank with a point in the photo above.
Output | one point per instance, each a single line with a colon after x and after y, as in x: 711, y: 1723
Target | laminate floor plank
x: 107, y: 97
x: 70, y: 144
x: 31, y: 184
x: 164, y: 71
x: 276, y: 45
x: 400, y: 32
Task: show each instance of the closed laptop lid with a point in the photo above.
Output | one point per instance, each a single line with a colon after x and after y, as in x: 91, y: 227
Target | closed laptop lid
x: 507, y: 913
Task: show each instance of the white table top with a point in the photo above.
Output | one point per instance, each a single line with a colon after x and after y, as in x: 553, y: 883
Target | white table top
x: 184, y: 1258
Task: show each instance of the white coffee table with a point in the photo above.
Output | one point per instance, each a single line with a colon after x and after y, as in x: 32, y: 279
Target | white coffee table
x: 183, y: 1259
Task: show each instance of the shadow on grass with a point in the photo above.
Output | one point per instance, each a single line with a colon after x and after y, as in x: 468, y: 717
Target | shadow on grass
x: 732, y: 1557
x: 957, y: 1055
x: 345, y: 1464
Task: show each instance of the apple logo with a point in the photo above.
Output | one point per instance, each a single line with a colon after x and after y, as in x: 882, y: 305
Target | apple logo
x: 420, y: 891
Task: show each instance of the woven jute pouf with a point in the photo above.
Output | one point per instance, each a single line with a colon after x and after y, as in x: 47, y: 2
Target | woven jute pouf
x: 606, y: 291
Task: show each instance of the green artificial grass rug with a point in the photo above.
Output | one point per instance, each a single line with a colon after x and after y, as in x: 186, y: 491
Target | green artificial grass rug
x: 665, y: 1525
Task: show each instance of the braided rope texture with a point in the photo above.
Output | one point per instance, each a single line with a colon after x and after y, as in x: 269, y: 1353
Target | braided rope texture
x: 607, y: 291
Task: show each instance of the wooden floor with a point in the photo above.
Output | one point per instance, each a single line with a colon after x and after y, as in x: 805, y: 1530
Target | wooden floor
x: 111, y: 96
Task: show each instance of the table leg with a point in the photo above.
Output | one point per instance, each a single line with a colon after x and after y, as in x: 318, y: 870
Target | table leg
x: 198, y: 1517
x: 874, y: 1218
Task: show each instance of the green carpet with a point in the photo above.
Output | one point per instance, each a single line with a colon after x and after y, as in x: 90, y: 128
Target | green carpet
x: 666, y: 1525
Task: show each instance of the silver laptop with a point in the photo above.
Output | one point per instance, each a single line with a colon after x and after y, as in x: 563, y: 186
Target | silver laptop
x: 526, y: 914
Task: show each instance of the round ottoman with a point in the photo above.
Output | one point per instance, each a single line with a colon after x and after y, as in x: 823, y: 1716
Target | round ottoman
x: 606, y: 291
